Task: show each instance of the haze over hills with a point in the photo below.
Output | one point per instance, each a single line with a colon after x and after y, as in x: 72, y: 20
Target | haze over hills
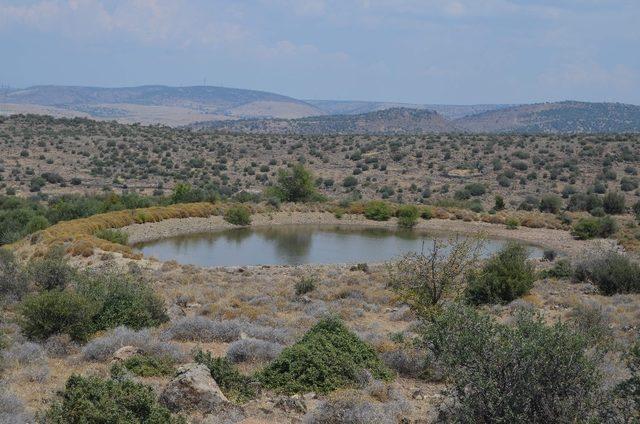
x: 388, y: 121
x: 237, y: 110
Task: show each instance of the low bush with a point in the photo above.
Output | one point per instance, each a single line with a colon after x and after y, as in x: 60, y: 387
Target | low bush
x: 103, y: 348
x: 407, y: 216
x: 235, y: 386
x: 12, y: 410
x: 149, y: 366
x: 588, y: 228
x: 611, y: 272
x: 561, y: 269
x: 512, y: 223
x: 503, y: 278
x: 202, y: 329
x: 96, y: 400
x: 524, y: 372
x: 328, y: 357
x: 377, y: 210
x: 113, y: 235
x: 252, y: 350
x: 305, y: 285
x: 51, y: 271
x: 613, y: 203
x: 13, y: 281
x: 238, y: 215
x: 55, y: 312
x: 550, y: 203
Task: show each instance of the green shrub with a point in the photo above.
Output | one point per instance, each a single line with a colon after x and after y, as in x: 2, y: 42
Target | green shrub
x: 149, y: 366
x: 51, y: 271
x: 238, y: 215
x: 504, y: 277
x: 296, y: 185
x: 305, y: 285
x: 122, y: 300
x: 233, y: 384
x: 527, y: 372
x: 588, y: 228
x: 611, y: 272
x: 328, y: 357
x: 55, y: 312
x: 561, y: 269
x: 499, y: 203
x: 550, y: 203
x: 407, y: 216
x: 512, y: 223
x: 95, y: 400
x: 377, y: 210
x: 629, y: 389
x: 613, y: 203
x: 113, y: 235
x: 13, y: 281
x: 426, y: 213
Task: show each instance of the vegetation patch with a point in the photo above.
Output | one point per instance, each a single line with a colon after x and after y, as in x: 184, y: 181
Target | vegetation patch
x: 235, y: 386
x: 377, y: 210
x: 238, y: 215
x: 328, y: 357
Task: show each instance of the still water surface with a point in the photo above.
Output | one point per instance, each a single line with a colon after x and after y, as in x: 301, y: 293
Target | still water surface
x: 298, y: 244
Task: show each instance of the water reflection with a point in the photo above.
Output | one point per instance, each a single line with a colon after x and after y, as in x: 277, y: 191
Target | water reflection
x: 295, y: 244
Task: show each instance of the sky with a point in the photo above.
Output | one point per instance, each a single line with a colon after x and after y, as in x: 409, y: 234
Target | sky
x: 415, y: 51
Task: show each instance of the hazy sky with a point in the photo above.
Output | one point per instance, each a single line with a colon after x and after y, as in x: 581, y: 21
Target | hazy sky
x: 424, y: 51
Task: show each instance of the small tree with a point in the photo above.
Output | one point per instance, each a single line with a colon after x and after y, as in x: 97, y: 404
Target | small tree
x: 296, y: 185
x: 423, y: 280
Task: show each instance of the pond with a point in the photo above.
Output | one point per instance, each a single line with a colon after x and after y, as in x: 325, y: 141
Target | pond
x: 298, y: 244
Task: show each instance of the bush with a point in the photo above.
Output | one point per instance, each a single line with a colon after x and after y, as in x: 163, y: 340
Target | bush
x: 56, y: 312
x: 611, y: 272
x: 51, y: 272
x: 305, y: 285
x: 103, y: 348
x: 13, y: 282
x: 377, y: 210
x: 328, y: 357
x: 504, y: 277
x: 588, y: 228
x: 512, y: 223
x: 561, y: 269
x: 296, y: 185
x: 203, y: 329
x: 12, y: 410
x: 238, y: 215
x: 550, y: 203
x: 234, y: 385
x: 95, y: 400
x: 251, y: 350
x: 113, y: 235
x: 148, y: 365
x: 407, y: 216
x: 613, y: 203
x: 122, y: 300
x: 525, y: 372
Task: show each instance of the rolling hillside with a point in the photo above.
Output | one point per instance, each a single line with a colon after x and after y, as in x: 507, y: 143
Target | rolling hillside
x: 388, y: 121
x: 562, y: 117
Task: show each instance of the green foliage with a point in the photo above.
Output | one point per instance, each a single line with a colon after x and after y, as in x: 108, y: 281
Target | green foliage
x: 499, y: 203
x: 238, y: 215
x: 407, y: 216
x: 122, y: 301
x: 525, y: 372
x: 13, y: 281
x: 305, y: 285
x: 561, y: 269
x: 95, y: 400
x: 55, y: 312
x: 149, y: 366
x: 503, y: 278
x: 51, y: 271
x: 296, y: 185
x: 512, y: 223
x: 550, y: 203
x: 611, y: 272
x: 113, y: 235
x: 328, y: 357
x: 630, y: 388
x: 377, y: 210
x: 234, y: 385
x: 613, y: 203
x: 588, y: 228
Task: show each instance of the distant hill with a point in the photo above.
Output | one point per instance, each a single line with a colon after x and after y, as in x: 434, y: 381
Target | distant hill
x: 562, y: 117
x: 154, y: 103
x: 348, y: 107
x: 388, y: 121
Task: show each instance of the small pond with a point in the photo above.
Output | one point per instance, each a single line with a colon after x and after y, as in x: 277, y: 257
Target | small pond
x: 297, y: 244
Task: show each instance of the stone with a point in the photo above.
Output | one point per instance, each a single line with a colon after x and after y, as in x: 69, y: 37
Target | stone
x: 125, y: 353
x: 193, y: 389
x: 291, y: 404
x: 175, y: 312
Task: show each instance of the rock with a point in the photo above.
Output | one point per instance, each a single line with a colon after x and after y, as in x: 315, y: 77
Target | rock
x: 291, y: 404
x: 305, y: 299
x: 125, y: 353
x: 193, y: 388
x: 227, y: 413
x: 418, y: 394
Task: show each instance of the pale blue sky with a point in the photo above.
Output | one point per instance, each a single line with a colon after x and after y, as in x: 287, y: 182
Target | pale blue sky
x: 424, y: 51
